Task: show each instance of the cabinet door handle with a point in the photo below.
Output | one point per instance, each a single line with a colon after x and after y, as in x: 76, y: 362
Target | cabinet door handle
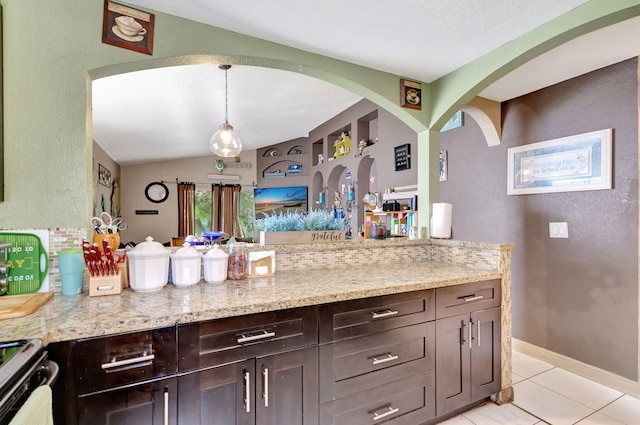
x: 391, y: 411
x: 255, y: 337
x: 470, y: 298
x: 470, y: 333
x: 383, y: 314
x: 265, y: 379
x: 247, y: 391
x: 166, y: 406
x: 388, y: 357
x: 126, y: 362
x: 478, y: 331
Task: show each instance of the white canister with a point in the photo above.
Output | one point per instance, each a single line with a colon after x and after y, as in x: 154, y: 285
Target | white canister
x: 186, y: 266
x: 148, y: 266
x: 215, y: 265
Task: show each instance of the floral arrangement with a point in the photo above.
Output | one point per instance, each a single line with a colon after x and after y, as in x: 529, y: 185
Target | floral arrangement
x: 292, y: 221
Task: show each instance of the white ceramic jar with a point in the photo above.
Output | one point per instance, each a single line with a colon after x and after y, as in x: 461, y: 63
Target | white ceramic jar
x: 186, y: 266
x: 148, y: 266
x: 215, y: 265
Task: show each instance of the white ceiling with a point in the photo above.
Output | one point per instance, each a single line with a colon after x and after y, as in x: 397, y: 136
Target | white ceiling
x: 172, y: 112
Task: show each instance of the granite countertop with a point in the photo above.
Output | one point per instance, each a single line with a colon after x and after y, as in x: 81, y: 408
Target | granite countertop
x: 80, y: 316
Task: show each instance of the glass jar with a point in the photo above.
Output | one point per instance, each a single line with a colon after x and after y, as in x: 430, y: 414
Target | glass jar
x: 237, y: 266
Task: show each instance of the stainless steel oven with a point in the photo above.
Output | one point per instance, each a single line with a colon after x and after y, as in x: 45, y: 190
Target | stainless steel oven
x: 24, y: 366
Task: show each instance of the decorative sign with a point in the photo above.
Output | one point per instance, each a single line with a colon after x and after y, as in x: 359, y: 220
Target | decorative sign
x: 146, y: 212
x: 128, y: 28
x: 410, y: 94
x: 294, y: 169
x: 581, y: 162
x: 403, y: 157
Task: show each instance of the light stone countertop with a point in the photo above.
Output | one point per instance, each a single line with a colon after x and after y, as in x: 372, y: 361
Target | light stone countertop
x: 80, y: 316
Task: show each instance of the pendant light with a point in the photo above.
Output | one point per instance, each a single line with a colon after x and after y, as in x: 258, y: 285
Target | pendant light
x: 225, y: 142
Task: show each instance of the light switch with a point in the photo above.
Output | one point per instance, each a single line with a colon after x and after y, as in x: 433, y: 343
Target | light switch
x: 558, y: 230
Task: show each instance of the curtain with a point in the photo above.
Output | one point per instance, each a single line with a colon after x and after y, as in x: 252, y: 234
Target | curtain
x: 186, y: 208
x: 224, y: 213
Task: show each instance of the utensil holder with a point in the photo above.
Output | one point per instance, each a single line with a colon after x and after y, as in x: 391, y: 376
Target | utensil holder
x: 104, y: 285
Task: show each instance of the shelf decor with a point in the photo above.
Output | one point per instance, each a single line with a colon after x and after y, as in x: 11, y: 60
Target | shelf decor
x: 580, y: 162
x: 403, y: 157
x: 294, y: 227
x: 128, y: 28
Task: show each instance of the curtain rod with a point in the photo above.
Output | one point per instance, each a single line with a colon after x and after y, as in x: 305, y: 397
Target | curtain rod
x: 253, y: 184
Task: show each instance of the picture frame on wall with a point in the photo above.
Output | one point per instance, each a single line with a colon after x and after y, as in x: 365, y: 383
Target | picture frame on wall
x: 574, y: 163
x: 104, y: 176
x: 410, y: 94
x: 128, y: 28
x: 402, y: 156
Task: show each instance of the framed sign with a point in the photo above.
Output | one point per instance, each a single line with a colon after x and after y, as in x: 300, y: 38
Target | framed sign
x: 410, y: 94
x: 127, y: 27
x: 403, y: 157
x: 581, y: 162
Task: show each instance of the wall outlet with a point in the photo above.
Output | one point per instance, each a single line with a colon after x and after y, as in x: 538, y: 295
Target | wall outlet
x: 558, y: 230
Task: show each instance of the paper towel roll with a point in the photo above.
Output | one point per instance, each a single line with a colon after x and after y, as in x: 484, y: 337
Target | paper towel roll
x: 441, y: 220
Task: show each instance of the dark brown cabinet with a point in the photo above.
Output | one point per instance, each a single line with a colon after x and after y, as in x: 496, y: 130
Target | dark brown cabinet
x: 468, y: 345
x: 152, y: 403
x: 270, y: 390
x: 377, y: 360
x: 119, y: 379
x: 272, y: 378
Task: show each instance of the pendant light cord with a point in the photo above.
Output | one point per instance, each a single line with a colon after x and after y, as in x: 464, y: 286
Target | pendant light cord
x: 226, y: 97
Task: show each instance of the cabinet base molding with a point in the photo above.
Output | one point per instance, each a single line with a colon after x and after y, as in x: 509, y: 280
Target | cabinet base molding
x: 504, y: 396
x: 601, y: 376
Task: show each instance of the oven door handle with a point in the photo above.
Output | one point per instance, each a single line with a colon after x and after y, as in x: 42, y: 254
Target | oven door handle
x: 43, y: 363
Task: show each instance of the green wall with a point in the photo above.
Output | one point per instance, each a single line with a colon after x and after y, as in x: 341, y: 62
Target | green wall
x: 52, y: 50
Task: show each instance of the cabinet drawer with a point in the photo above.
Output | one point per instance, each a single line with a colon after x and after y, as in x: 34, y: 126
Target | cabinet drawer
x: 212, y: 343
x: 459, y: 299
x: 357, y: 364
x: 114, y: 361
x: 406, y: 402
x: 350, y: 319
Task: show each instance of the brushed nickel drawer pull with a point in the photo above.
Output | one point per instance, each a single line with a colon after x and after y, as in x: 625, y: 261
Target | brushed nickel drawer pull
x: 126, y: 362
x: 470, y: 298
x: 247, y: 391
x: 383, y: 314
x: 262, y: 335
x: 391, y: 411
x: 265, y: 378
x: 388, y: 358
x: 166, y: 406
x: 478, y: 331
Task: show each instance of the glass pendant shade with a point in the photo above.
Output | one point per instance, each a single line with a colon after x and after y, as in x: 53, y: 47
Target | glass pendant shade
x: 225, y: 142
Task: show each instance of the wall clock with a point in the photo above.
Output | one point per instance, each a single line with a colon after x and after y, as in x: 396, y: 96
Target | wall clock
x: 156, y: 192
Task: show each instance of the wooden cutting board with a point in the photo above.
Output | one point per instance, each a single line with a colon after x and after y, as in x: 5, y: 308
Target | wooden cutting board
x: 22, y: 305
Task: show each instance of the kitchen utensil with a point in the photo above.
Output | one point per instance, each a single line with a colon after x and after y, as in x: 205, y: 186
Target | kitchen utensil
x: 29, y: 262
x: 22, y: 305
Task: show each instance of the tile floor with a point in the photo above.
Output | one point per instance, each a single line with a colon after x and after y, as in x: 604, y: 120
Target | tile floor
x: 545, y: 394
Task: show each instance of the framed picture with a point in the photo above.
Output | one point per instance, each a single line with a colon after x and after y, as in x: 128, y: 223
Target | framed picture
x: 443, y: 166
x: 279, y: 199
x: 127, y: 27
x: 104, y: 176
x: 581, y: 162
x: 410, y: 94
x: 402, y: 155
x: 457, y: 120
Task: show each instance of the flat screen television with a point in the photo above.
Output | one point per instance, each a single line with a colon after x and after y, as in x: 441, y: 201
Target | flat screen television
x: 280, y: 199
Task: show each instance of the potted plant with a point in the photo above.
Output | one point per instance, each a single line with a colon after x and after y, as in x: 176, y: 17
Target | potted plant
x: 300, y: 227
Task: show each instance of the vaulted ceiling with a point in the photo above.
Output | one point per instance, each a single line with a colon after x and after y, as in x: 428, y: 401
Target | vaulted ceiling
x: 171, y: 112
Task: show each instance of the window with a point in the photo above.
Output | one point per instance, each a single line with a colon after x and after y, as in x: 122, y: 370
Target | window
x: 203, y: 211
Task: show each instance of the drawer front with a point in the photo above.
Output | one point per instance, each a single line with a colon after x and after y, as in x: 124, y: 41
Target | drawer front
x: 358, y: 364
x: 351, y: 319
x: 460, y: 299
x: 404, y: 402
x: 216, y: 342
x: 118, y: 360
